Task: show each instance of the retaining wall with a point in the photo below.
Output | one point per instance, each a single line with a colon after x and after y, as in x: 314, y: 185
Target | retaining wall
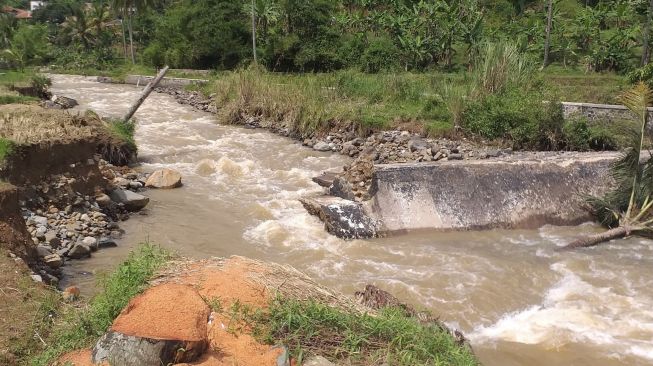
x: 599, y: 112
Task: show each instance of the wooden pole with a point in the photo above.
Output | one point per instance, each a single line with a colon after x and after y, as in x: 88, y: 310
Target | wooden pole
x: 145, y: 94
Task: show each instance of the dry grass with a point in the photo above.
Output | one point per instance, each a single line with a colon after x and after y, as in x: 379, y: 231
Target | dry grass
x: 29, y: 124
x: 279, y: 280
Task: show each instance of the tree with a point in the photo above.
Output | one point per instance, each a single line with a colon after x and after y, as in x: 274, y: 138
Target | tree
x: 646, y: 53
x: 628, y: 209
x: 28, y: 44
x: 127, y: 8
x: 547, y: 39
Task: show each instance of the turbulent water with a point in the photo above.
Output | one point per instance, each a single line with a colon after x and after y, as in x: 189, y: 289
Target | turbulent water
x: 519, y: 301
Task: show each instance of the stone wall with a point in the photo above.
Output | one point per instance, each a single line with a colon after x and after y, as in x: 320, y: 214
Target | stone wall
x: 165, y: 82
x: 464, y: 195
x: 598, y: 112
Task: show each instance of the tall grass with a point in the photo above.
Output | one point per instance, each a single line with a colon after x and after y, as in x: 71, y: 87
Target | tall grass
x: 78, y: 328
x: 502, y: 66
x: 310, y: 103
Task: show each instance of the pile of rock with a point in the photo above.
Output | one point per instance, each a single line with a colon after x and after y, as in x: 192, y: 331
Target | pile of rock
x: 193, y: 98
x: 65, y: 224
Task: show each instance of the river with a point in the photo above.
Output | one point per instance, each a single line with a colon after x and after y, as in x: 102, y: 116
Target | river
x: 519, y: 301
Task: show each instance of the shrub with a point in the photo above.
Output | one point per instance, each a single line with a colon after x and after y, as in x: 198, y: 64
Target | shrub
x: 6, y: 147
x: 519, y: 117
x: 380, y: 55
x: 577, y: 134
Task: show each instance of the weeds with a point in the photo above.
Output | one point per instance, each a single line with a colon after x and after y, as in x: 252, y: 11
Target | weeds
x: 6, y: 148
x: 391, y: 337
x: 80, y: 328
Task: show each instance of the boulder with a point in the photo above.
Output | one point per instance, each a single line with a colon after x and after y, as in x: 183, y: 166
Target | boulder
x: 53, y: 261
x: 132, y: 201
x: 164, y: 179
x: 106, y: 243
x: 43, y: 251
x: 91, y: 243
x: 167, y: 324
x: 79, y: 251
x: 64, y: 102
x: 321, y: 146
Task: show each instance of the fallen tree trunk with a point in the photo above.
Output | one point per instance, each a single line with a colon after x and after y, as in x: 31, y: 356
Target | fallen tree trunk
x: 596, y: 239
x: 145, y: 94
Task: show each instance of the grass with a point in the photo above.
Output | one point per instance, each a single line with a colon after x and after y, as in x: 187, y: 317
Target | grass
x: 26, y: 309
x: 78, y: 328
x: 6, y: 148
x: 390, y: 337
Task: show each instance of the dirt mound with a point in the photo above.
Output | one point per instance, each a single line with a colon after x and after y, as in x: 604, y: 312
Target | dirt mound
x: 168, y: 311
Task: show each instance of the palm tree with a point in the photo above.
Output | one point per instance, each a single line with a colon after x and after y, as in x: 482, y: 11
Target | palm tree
x: 126, y: 9
x: 628, y: 209
x: 77, y: 28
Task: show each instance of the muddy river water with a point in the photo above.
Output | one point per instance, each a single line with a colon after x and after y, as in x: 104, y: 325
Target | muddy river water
x: 519, y: 301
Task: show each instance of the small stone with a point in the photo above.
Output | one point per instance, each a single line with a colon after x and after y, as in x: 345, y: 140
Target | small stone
x: 40, y: 220
x: 106, y: 243
x: 132, y: 201
x: 37, y: 278
x: 85, y: 218
x: 455, y: 156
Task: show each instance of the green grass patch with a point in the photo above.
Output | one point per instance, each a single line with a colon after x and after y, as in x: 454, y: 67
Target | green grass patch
x: 79, y: 328
x: 123, y: 129
x: 17, y: 99
x: 391, y: 337
x: 6, y: 148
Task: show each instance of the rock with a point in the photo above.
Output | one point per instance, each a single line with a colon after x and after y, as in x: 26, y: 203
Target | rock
x: 40, y: 232
x: 36, y: 278
x: 79, y: 251
x: 53, y: 261
x: 321, y: 146
x: 48, y: 104
x: 70, y: 294
x: 343, y: 218
x: 164, y: 179
x: 418, y: 144
x: 317, y: 361
x: 153, y: 330
x: 106, y: 243
x: 91, y: 243
x: 138, y: 185
x: 341, y: 188
x: 132, y: 201
x: 103, y: 200
x: 64, y: 102
x: 43, y: 251
x: 40, y: 220
x: 455, y: 156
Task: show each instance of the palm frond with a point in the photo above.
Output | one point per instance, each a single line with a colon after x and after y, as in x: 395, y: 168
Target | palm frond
x: 638, y: 99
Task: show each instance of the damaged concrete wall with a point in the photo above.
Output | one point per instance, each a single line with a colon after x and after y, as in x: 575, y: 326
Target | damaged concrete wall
x: 487, y: 194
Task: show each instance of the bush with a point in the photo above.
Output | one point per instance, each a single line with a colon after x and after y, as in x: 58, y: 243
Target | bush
x: 517, y: 116
x: 577, y: 134
x: 6, y: 148
x: 380, y: 55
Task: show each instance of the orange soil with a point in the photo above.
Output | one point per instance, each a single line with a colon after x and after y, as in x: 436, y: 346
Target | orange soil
x: 168, y: 311
x: 159, y: 317
x: 78, y: 358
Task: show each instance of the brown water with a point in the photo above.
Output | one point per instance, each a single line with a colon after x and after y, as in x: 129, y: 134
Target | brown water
x: 519, y: 301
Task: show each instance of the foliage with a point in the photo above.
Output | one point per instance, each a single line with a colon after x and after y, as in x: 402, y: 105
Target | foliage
x: 28, y: 44
x: 631, y: 199
x: 392, y: 337
x: 6, y: 147
x: 76, y: 329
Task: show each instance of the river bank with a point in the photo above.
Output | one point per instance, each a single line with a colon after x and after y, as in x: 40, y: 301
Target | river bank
x: 519, y: 300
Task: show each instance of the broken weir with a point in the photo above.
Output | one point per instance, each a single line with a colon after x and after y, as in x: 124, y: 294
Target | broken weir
x: 470, y: 195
